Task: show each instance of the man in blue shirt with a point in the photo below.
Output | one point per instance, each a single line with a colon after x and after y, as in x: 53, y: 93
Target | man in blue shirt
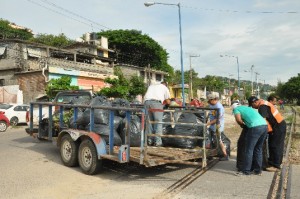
x: 216, y: 120
x: 255, y: 132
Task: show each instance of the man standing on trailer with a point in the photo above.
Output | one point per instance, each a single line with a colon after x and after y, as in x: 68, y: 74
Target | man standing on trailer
x: 156, y: 94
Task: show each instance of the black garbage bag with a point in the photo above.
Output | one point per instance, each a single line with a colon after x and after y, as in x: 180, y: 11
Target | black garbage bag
x: 101, y: 116
x: 226, y: 141
x: 134, y: 130
x: 167, y: 128
x: 185, y: 130
x: 120, y: 103
x: 117, y: 121
x: 79, y: 121
x: 81, y: 100
x: 103, y: 130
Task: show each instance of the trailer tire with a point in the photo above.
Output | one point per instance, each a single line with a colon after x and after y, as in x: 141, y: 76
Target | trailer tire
x: 69, y: 151
x: 88, y: 159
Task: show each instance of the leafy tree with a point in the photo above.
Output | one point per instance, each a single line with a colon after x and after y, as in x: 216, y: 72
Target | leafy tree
x: 123, y: 88
x: 51, y: 40
x: 134, y: 48
x: 291, y: 89
x: 137, y: 86
x: 56, y: 85
x: 8, y: 32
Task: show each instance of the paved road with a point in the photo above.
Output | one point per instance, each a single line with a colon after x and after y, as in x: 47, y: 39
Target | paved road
x: 32, y: 169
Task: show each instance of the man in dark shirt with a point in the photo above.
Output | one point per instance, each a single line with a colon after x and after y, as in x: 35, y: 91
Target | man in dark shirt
x: 276, y: 130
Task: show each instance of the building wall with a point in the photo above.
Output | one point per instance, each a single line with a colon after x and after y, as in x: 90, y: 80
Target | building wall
x: 83, y: 79
x: 32, y: 84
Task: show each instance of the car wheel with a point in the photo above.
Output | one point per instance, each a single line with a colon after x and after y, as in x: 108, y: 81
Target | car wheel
x: 14, y: 121
x: 3, y: 126
x: 69, y: 151
x: 88, y: 159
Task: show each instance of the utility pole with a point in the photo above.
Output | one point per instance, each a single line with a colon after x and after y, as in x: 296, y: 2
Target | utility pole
x: 252, y: 79
x: 257, y: 87
x: 191, y: 78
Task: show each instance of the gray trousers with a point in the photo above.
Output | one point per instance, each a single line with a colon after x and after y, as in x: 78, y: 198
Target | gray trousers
x: 155, y: 114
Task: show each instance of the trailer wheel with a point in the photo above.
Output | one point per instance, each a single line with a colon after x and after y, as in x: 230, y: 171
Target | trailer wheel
x: 88, y: 159
x: 69, y: 151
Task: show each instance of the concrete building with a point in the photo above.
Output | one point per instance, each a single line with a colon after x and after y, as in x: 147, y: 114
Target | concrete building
x: 30, y: 66
x: 26, y: 67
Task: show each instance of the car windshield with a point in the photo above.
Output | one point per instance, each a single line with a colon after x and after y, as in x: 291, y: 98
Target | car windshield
x: 5, y: 106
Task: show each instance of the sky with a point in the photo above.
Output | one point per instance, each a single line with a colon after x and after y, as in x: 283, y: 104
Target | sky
x: 260, y: 33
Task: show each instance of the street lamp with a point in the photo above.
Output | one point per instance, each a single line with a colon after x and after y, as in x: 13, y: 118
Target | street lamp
x: 230, y: 75
x: 257, y: 87
x: 238, y: 69
x: 147, y: 4
x: 251, y: 70
x: 191, y: 77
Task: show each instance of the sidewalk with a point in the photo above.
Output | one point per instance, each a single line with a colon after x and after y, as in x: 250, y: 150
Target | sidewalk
x: 221, y: 182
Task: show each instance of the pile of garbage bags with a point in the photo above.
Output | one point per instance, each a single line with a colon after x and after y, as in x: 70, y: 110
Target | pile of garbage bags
x: 187, y: 124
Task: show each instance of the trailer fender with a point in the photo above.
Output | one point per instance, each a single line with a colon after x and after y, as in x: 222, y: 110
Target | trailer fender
x: 75, y: 134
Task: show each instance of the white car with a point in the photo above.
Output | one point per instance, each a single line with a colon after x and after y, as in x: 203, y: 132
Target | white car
x: 16, y: 113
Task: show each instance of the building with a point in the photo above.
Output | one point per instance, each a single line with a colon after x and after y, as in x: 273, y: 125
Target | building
x: 26, y: 67
x: 29, y: 66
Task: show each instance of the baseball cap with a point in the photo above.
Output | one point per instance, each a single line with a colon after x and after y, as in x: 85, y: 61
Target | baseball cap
x: 235, y: 104
x: 251, y: 100
x: 211, y: 96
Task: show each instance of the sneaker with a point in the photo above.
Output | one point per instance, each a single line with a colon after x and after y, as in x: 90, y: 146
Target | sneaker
x: 240, y: 173
x: 224, y: 158
x: 150, y: 143
x: 271, y: 169
x: 157, y: 145
x: 258, y: 173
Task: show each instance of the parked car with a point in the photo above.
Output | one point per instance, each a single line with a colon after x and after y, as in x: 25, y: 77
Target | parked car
x: 4, y: 122
x: 16, y: 113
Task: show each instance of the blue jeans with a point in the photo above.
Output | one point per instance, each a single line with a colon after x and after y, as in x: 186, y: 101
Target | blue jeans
x: 155, y: 113
x: 255, y: 138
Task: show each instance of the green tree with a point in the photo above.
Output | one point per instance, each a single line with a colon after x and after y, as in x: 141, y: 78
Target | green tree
x: 8, y: 32
x: 51, y: 40
x: 291, y: 89
x: 137, y: 86
x: 56, y: 85
x: 134, y: 48
x: 122, y: 87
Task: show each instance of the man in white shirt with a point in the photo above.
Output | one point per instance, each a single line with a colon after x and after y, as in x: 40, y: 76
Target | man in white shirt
x: 156, y: 93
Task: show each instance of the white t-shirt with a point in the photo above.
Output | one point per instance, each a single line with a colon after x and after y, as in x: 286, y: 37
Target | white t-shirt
x: 157, y: 91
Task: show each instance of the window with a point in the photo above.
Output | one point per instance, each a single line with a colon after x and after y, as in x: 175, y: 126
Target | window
x: 142, y: 74
x: 158, y: 77
x: 2, y: 82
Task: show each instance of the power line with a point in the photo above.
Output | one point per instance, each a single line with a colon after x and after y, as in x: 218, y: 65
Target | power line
x: 237, y: 11
x: 75, y: 14
x: 58, y: 12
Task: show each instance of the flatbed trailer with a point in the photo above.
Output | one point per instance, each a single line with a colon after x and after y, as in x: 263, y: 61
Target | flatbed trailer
x: 88, y: 148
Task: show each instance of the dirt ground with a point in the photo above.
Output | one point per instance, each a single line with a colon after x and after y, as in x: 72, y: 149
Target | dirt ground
x: 294, y: 155
x: 232, y: 129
